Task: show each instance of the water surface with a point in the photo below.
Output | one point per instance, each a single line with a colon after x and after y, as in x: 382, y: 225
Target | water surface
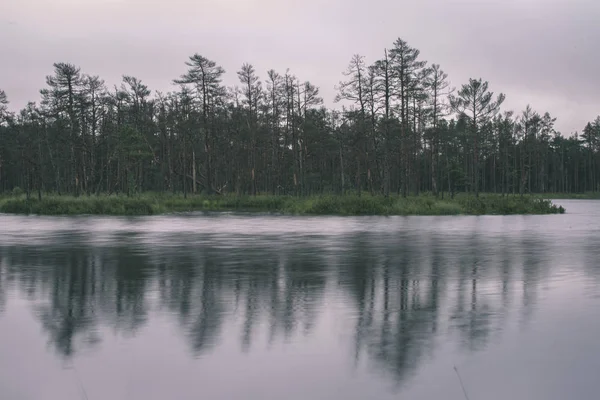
x: 230, y: 306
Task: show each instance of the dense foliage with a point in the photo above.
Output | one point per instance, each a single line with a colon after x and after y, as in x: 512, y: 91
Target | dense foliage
x: 401, y: 129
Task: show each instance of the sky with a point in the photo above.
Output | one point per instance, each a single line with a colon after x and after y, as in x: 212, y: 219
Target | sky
x: 539, y: 52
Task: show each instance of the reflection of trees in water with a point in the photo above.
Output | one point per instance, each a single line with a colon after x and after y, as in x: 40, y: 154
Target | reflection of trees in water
x: 591, y: 261
x: 188, y: 285
x: 261, y: 288
x: 3, y: 283
x: 77, y: 290
x: 472, y: 312
x: 68, y: 316
x: 406, y: 290
x: 122, y: 285
x: 286, y: 289
x: 296, y: 292
x: 535, y: 271
x: 72, y: 289
x: 396, y: 299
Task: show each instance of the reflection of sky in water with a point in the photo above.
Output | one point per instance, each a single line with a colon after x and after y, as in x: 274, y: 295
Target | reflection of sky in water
x: 236, y: 306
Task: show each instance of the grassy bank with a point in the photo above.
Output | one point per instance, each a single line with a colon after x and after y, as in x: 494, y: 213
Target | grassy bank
x: 570, y: 196
x: 150, y: 204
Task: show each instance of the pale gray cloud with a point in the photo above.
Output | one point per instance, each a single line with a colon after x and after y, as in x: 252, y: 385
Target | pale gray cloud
x: 542, y: 52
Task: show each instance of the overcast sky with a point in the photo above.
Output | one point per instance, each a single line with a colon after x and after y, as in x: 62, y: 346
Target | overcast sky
x: 540, y: 52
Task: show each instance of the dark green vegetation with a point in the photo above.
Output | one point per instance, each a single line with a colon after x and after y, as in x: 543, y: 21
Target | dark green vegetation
x: 402, y: 131
x: 149, y: 204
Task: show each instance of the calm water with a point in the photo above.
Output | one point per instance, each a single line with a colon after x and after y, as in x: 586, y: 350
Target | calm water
x: 261, y: 307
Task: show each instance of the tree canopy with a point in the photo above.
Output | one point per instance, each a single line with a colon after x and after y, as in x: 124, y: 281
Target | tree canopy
x: 398, y: 127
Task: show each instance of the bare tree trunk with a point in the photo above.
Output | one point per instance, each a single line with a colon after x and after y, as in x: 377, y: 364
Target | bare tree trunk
x: 194, y: 172
x: 433, y: 169
x: 342, y: 169
x: 358, y: 181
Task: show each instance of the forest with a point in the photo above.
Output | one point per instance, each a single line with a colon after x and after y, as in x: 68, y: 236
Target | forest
x: 397, y: 128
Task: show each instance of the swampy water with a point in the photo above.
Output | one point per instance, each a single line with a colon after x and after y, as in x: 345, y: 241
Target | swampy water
x: 233, y: 306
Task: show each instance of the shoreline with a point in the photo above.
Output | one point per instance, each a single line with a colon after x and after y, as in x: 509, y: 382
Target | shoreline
x: 347, y: 205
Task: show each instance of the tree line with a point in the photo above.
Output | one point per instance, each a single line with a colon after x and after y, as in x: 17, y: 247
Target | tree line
x: 401, y: 129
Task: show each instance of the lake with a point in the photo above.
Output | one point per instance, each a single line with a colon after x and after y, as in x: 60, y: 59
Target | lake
x: 234, y: 306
